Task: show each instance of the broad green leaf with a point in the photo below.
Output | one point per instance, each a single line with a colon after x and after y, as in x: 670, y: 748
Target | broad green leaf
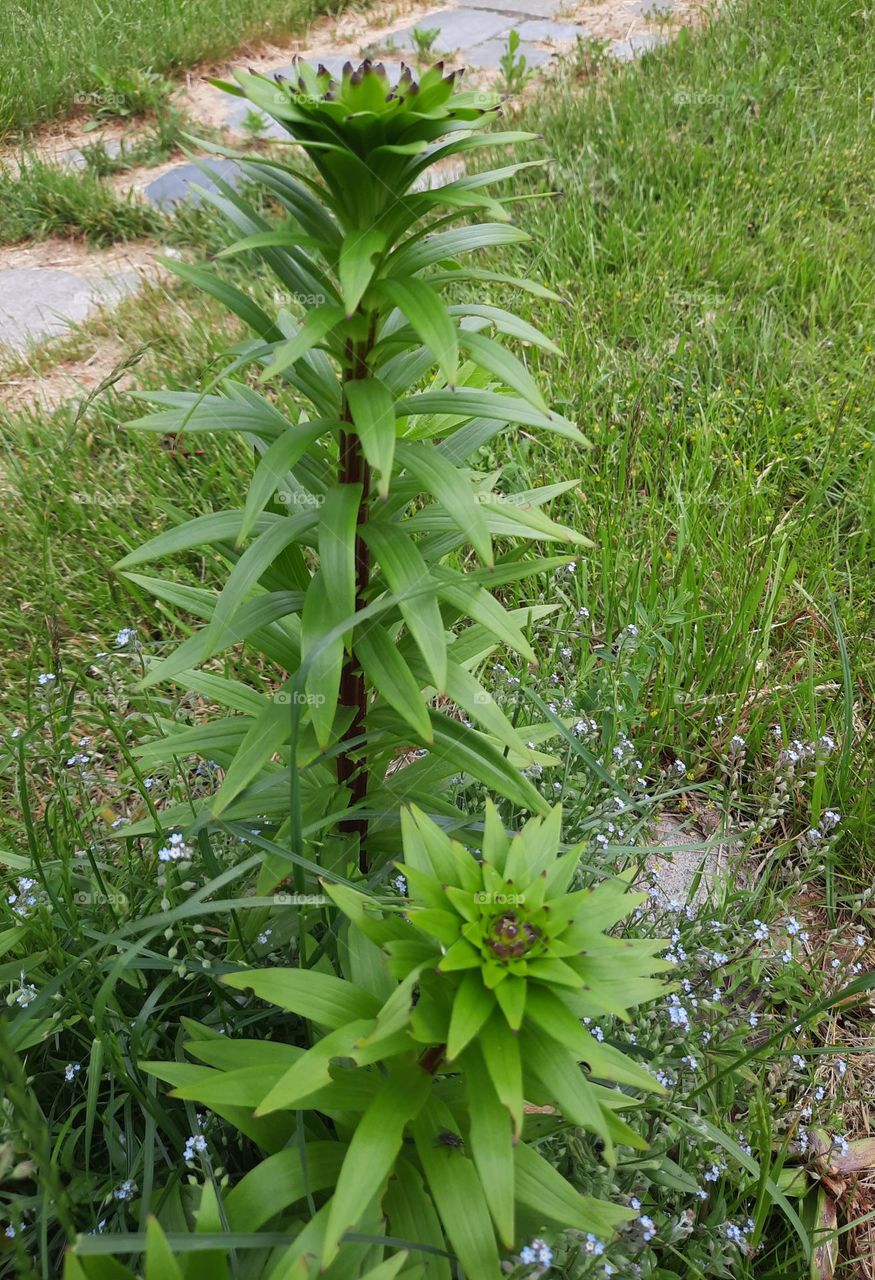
x: 458, y: 1193
x: 497, y: 359
x: 507, y: 322
x: 373, y: 1150
x: 373, y: 415
x: 208, y: 1264
x: 541, y: 1188
x: 429, y: 318
x: 268, y: 732
x: 472, y: 402
x: 389, y: 1269
x: 191, y: 412
x: 501, y: 1054
x: 218, y: 526
x: 472, y: 1007
x: 490, y: 1134
x: 451, y: 489
x: 160, y: 1262
x: 317, y: 323
x: 311, y: 1072
x: 413, y: 256
x: 392, y: 677
x: 275, y: 464
x: 280, y: 1181
x: 253, y: 564
x: 323, y: 675
x: 557, y: 1072
x: 229, y: 295
x: 412, y: 1216
x: 511, y: 996
x: 470, y: 752
x: 357, y: 264
x: 320, y: 997
x: 405, y: 571
x: 547, y: 1009
x: 494, y: 277
x: 467, y: 597
x: 337, y: 537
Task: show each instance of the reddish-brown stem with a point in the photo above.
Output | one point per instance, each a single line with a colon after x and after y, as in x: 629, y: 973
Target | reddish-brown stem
x: 353, y: 469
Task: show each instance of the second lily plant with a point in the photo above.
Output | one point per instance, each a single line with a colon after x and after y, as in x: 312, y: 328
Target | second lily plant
x: 367, y: 561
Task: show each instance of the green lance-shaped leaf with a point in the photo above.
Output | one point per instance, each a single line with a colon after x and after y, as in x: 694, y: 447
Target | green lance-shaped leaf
x: 317, y: 323
x: 541, y: 1188
x: 357, y: 264
x: 337, y: 535
x: 452, y: 490
x: 229, y: 295
x: 374, y: 1149
x: 491, y: 355
x: 563, y: 1080
x: 549, y: 1011
x: 373, y: 416
x: 491, y: 1143
x: 392, y: 677
x: 423, y: 309
x: 218, y: 526
x: 311, y: 1072
x: 253, y: 564
x: 458, y: 1193
x: 405, y: 571
x: 411, y: 1214
x: 323, y: 675
x: 501, y: 1054
x: 320, y: 997
x: 282, y: 1180
x: 275, y: 464
x: 208, y: 1264
x: 263, y: 739
x: 472, y: 1008
x: 160, y: 1262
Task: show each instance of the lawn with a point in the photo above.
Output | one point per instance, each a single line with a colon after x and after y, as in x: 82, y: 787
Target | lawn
x: 56, y: 55
x: 707, y: 222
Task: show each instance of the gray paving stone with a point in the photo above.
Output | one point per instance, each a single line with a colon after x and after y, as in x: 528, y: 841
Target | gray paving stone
x: 238, y: 113
x: 178, y: 184
x: 630, y: 48
x: 552, y: 32
x: 488, y: 55
x: 638, y: 8
x: 524, y: 8
x: 75, y: 159
x: 685, y: 853
x: 459, y: 29
x: 38, y: 303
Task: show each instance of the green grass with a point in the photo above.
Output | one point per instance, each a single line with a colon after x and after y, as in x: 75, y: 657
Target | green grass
x: 43, y: 200
x: 713, y: 236
x: 53, y: 52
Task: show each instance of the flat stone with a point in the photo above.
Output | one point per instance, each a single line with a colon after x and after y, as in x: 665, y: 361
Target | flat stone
x: 76, y: 159
x: 525, y: 8
x: 239, y: 112
x: 38, y: 303
x: 178, y: 184
x: 489, y: 54
x: 683, y: 852
x: 458, y: 29
x: 633, y: 46
x: 547, y: 31
x: 640, y: 8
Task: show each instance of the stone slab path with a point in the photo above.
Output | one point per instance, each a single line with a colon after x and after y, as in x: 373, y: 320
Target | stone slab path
x: 40, y: 300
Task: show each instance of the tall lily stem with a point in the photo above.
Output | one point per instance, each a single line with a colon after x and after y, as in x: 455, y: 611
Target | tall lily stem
x: 353, y: 469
